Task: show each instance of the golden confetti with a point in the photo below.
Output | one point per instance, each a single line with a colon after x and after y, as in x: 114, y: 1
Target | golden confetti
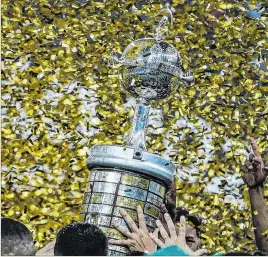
x: 60, y: 97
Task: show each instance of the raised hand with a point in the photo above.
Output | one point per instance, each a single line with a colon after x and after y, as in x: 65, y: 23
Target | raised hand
x: 138, y: 239
x: 173, y: 238
x: 255, y: 172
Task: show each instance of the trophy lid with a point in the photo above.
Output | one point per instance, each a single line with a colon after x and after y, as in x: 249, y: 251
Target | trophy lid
x: 132, y: 160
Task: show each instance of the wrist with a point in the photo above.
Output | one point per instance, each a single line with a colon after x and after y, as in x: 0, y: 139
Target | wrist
x: 261, y: 185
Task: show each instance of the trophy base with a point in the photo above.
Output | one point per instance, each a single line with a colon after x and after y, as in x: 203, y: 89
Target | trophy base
x: 120, y: 179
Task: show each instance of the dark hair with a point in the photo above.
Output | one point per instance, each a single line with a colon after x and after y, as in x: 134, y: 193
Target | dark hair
x: 16, y: 238
x: 81, y: 239
x: 176, y: 212
x: 195, y: 219
x: 170, y: 200
x: 237, y: 254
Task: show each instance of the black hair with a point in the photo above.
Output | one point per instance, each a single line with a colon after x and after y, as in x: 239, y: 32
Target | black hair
x: 82, y: 239
x: 195, y: 219
x: 170, y: 200
x: 16, y: 238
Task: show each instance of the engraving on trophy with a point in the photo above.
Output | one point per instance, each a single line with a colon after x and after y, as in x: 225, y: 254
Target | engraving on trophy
x: 100, y: 208
x: 157, y: 188
x: 115, y: 253
x: 119, y: 221
x: 102, y: 198
x: 104, y: 187
x: 135, y: 181
x: 154, y: 199
x: 131, y: 213
x: 118, y: 248
x: 133, y: 192
x: 112, y: 233
x: 152, y: 210
x: 128, y: 202
x: 150, y: 221
x: 107, y: 176
x: 98, y: 219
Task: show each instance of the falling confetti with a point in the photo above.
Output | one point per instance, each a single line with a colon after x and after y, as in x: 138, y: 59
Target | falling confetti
x: 60, y: 97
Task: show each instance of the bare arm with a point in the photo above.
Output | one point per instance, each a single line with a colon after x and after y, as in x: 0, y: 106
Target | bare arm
x: 259, y: 216
x: 255, y: 174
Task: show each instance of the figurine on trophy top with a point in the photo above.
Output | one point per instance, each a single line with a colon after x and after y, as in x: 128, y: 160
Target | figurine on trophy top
x: 150, y: 69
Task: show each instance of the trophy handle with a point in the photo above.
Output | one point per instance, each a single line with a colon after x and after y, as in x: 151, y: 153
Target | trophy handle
x: 160, y: 31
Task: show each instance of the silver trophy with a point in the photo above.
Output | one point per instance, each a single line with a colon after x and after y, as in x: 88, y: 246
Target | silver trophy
x: 127, y: 176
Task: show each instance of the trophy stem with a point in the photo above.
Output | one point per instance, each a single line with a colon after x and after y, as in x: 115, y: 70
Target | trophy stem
x: 137, y: 135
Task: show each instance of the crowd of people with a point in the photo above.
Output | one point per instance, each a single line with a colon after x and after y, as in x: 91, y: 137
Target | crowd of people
x: 176, y: 233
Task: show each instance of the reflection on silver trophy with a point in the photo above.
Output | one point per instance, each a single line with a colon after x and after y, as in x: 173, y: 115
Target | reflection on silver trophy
x: 128, y: 176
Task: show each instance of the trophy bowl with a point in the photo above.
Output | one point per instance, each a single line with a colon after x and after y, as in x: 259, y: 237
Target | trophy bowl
x: 150, y: 69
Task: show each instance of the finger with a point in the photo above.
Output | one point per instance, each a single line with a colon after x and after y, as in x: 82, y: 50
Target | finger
x: 130, y: 222
x: 171, y: 226
x: 119, y: 242
x: 124, y: 231
x: 256, y: 160
x: 132, y: 249
x: 182, y: 227
x: 157, y: 241
x: 162, y: 230
x: 155, y: 233
x: 254, y: 146
x: 163, y: 208
x: 201, y: 252
x: 141, y: 218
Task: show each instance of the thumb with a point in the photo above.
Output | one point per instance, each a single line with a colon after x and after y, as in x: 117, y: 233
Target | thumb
x: 200, y: 252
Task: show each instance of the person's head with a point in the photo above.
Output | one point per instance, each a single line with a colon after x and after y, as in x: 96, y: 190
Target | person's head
x: 16, y: 238
x: 192, y: 237
x: 193, y: 232
x: 81, y: 239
